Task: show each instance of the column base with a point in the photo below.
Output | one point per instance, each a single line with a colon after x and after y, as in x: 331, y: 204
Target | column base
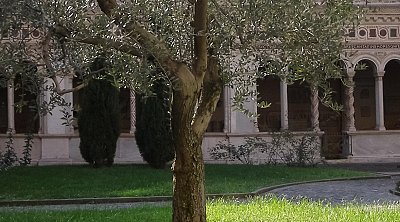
x: 380, y: 128
x: 351, y: 129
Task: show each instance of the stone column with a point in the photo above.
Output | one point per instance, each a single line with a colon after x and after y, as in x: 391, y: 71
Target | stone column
x: 133, y: 111
x: 314, y: 108
x: 349, y: 102
x: 10, y: 106
x: 227, y: 110
x: 380, y: 120
x: 255, y: 118
x: 284, y: 106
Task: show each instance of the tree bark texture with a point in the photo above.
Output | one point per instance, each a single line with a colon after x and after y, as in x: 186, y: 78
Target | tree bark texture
x: 193, y: 107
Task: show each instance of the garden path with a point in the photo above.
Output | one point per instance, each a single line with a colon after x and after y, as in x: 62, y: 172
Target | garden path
x: 370, y: 191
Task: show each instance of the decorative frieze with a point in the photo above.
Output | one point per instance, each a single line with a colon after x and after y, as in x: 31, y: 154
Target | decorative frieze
x: 372, y: 46
x: 26, y: 33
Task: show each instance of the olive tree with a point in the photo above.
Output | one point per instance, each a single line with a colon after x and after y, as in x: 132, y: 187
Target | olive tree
x: 200, y: 45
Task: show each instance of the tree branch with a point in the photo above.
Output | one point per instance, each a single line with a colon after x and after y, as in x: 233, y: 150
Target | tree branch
x: 200, y: 38
x: 150, y: 43
x: 120, y: 46
x: 52, y: 71
x: 212, y: 89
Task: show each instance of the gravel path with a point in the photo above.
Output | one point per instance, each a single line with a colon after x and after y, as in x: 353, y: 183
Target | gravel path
x: 370, y: 191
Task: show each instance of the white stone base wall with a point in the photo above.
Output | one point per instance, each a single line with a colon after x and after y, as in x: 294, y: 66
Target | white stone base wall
x: 374, y: 146
x: 364, y: 146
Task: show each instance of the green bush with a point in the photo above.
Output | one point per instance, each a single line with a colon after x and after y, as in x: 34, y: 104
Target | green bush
x: 284, y: 147
x: 153, y: 125
x: 99, y: 117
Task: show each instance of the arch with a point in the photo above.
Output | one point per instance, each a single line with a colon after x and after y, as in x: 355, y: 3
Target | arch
x: 364, y: 96
x: 391, y: 94
x: 268, y: 89
x: 124, y: 104
x: 216, y: 123
x: 331, y: 123
x: 372, y: 59
x: 345, y: 63
x: 299, y: 105
x: 388, y: 59
x: 26, y: 99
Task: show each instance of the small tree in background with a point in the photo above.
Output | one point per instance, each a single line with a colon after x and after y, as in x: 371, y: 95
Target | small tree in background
x: 99, y: 117
x: 153, y: 125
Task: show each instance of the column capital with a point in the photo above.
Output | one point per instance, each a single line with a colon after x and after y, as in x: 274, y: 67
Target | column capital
x: 350, y: 73
x: 379, y: 74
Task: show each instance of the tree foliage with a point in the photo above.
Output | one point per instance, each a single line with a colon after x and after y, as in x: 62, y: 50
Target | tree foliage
x: 98, y: 119
x: 197, y: 43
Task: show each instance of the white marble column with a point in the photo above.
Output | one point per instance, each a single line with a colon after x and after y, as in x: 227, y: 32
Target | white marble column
x: 69, y: 97
x: 10, y: 106
x: 349, y: 102
x: 380, y: 120
x: 284, y: 106
x: 133, y: 111
x: 255, y: 118
x: 314, y: 108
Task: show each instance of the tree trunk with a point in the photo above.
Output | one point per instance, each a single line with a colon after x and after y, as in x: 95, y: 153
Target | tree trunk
x: 189, y: 197
x: 191, y: 112
x: 188, y: 168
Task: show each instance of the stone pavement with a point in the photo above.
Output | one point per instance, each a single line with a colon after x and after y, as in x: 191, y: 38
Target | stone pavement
x: 368, y: 191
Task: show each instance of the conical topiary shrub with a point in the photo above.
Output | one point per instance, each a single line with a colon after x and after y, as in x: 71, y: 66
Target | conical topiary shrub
x: 98, y: 119
x: 153, y: 125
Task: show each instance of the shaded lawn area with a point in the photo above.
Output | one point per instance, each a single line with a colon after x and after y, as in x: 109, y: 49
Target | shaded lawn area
x: 258, y: 209
x: 49, y: 182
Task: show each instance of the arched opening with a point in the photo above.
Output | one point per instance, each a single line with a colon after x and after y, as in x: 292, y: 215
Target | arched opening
x: 299, y: 105
x: 269, y: 91
x: 364, y: 96
x: 217, y: 120
x: 391, y: 95
x: 125, y: 105
x: 331, y: 121
x: 26, y: 100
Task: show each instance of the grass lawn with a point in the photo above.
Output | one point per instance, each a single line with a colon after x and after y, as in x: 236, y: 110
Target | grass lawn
x: 46, y: 182
x: 259, y: 209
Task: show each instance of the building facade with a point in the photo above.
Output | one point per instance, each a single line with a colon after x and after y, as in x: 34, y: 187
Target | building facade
x: 368, y: 128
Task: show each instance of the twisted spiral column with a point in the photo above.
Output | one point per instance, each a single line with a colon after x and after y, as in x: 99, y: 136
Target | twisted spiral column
x: 133, y: 111
x: 314, y: 108
x: 349, y: 103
